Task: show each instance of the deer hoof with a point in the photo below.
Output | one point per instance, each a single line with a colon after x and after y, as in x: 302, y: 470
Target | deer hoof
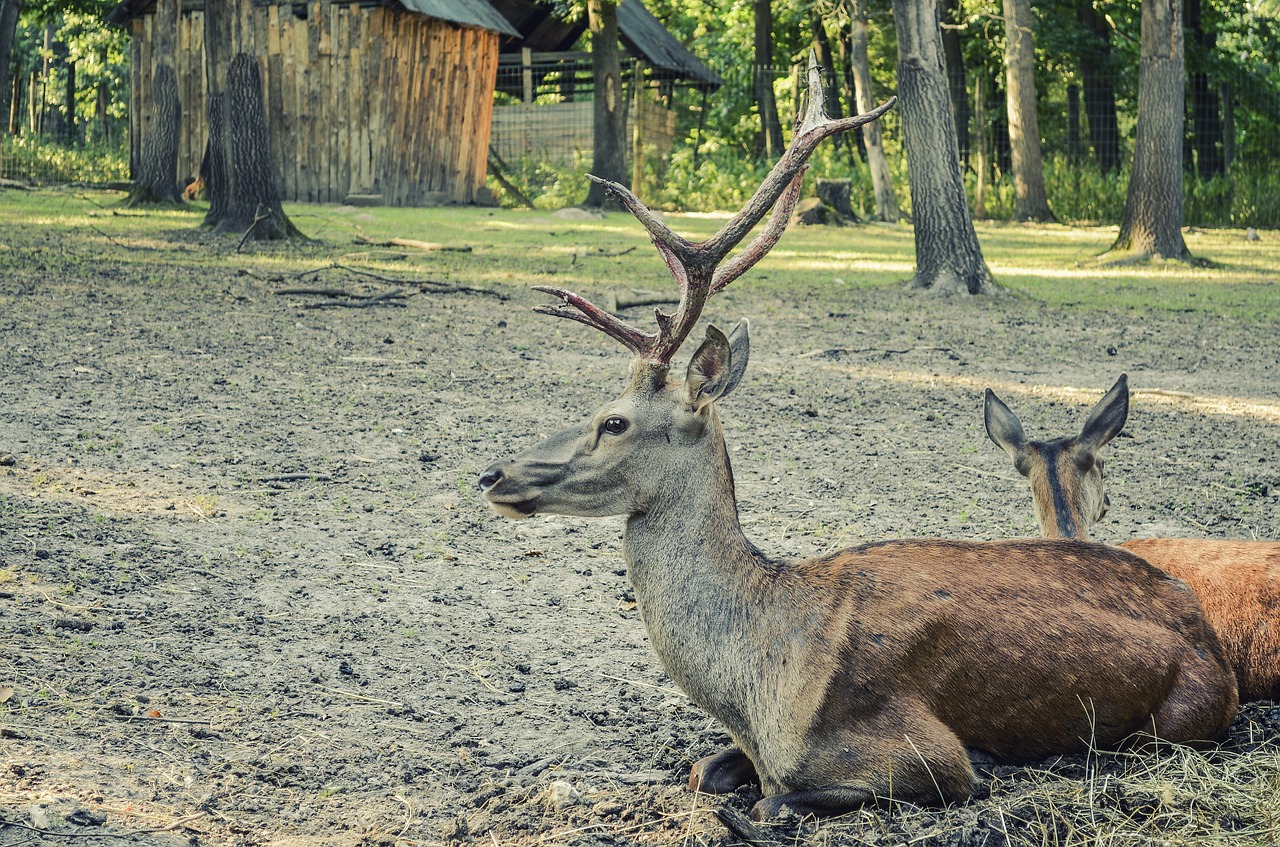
x: 722, y: 773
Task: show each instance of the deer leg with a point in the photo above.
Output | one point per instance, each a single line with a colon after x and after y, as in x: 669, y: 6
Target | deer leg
x: 814, y: 801
x: 722, y: 773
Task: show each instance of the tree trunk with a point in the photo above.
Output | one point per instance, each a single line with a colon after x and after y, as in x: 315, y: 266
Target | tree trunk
x: 1096, y: 73
x: 953, y: 17
x: 243, y: 195
x: 1030, y: 200
x: 872, y: 139
x: 9, y: 10
x: 1074, y: 147
x: 608, y: 112
x: 982, y: 163
x: 73, y: 125
x: 157, y: 176
x: 1206, y: 120
x: 948, y: 258
x: 102, y: 103
x: 770, y: 125
x: 1152, y: 221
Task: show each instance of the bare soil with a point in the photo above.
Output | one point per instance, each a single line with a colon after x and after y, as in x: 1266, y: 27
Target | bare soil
x: 249, y: 594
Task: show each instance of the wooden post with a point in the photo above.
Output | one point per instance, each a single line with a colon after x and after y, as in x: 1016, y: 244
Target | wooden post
x: 526, y: 63
x: 637, y: 136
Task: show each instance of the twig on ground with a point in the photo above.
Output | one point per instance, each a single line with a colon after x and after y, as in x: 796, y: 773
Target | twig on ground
x: 259, y: 216
x: 80, y: 832
x: 416, y: 245
x: 951, y: 354
x: 161, y: 719
x: 425, y: 286
x: 296, y: 477
x: 741, y: 826
x: 113, y: 241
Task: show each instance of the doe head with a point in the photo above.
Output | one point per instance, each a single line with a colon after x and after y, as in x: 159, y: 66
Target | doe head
x: 1065, y: 474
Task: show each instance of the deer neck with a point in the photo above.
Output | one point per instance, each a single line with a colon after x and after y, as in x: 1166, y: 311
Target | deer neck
x: 709, y: 599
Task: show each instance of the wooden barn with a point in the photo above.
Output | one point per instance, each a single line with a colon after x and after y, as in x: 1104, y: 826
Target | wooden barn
x: 387, y: 101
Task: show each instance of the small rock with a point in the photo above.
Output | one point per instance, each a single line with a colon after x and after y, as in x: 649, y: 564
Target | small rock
x: 1251, y: 234
x: 562, y: 795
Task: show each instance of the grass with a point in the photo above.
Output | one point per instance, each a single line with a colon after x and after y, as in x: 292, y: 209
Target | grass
x: 1049, y: 263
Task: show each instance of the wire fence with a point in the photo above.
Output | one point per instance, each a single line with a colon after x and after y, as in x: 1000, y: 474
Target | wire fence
x: 680, y: 138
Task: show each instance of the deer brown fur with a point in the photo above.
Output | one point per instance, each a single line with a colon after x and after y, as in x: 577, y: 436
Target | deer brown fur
x: 875, y: 672
x: 1237, y: 582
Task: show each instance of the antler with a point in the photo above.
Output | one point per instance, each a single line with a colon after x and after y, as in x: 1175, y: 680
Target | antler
x: 695, y: 265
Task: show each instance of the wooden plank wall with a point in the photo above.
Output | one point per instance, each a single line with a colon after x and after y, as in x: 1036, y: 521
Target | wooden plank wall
x: 360, y: 100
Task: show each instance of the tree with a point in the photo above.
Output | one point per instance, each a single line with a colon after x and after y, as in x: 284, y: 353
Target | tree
x: 771, y: 126
x: 953, y: 52
x: 1206, y: 122
x: 948, y: 258
x: 608, y: 136
x: 157, y: 178
x: 9, y: 11
x: 242, y: 188
x: 1031, y: 203
x: 864, y: 95
x: 1152, y: 220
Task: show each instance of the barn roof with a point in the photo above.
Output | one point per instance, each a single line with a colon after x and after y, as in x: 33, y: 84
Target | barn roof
x: 473, y: 13
x: 542, y: 29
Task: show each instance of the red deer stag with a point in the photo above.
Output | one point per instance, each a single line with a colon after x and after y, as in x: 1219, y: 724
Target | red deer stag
x: 1238, y: 582
x: 874, y: 672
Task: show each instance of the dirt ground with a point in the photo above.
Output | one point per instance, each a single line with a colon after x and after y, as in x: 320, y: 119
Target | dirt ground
x: 249, y: 594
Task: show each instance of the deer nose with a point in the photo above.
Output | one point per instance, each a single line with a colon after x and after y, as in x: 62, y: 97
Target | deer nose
x: 490, y: 478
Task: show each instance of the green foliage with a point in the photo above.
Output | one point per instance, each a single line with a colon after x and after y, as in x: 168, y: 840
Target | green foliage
x: 33, y: 158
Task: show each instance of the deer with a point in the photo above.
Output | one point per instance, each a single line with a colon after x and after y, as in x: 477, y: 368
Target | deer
x: 881, y: 671
x: 1237, y: 582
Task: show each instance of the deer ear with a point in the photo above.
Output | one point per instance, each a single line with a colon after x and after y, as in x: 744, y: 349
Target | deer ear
x: 710, y: 374
x: 1108, y: 417
x: 739, y: 354
x: 1003, y: 426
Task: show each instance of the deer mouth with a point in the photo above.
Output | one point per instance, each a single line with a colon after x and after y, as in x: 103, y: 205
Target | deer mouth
x: 512, y: 508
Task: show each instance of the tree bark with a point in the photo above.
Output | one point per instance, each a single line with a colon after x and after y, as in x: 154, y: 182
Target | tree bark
x: 608, y: 112
x: 770, y: 125
x: 948, y: 258
x: 1030, y: 203
x: 1096, y: 74
x: 1206, y: 120
x: 243, y: 194
x: 157, y: 177
x: 9, y: 11
x: 953, y: 20
x: 872, y: 138
x: 1152, y: 221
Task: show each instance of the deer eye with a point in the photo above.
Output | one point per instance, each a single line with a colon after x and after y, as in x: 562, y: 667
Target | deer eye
x: 615, y: 425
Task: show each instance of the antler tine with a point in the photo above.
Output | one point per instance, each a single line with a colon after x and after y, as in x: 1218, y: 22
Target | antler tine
x: 661, y: 234
x: 815, y: 127
x: 638, y: 342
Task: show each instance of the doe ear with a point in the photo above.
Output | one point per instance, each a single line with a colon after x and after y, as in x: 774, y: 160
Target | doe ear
x: 711, y: 373
x: 1003, y: 426
x: 1108, y: 417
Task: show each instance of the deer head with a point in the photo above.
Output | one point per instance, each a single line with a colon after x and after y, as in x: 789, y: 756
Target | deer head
x: 634, y: 447
x: 1065, y: 473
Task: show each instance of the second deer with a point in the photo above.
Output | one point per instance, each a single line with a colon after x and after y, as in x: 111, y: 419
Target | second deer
x: 1237, y: 582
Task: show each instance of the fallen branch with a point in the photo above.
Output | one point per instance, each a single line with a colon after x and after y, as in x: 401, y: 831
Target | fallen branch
x: 113, y: 241
x: 622, y: 300
x: 160, y: 719
x: 423, y: 285
x: 496, y: 167
x: 388, y: 298
x: 416, y: 245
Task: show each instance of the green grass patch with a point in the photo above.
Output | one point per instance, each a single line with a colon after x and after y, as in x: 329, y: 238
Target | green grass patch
x: 1054, y: 264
